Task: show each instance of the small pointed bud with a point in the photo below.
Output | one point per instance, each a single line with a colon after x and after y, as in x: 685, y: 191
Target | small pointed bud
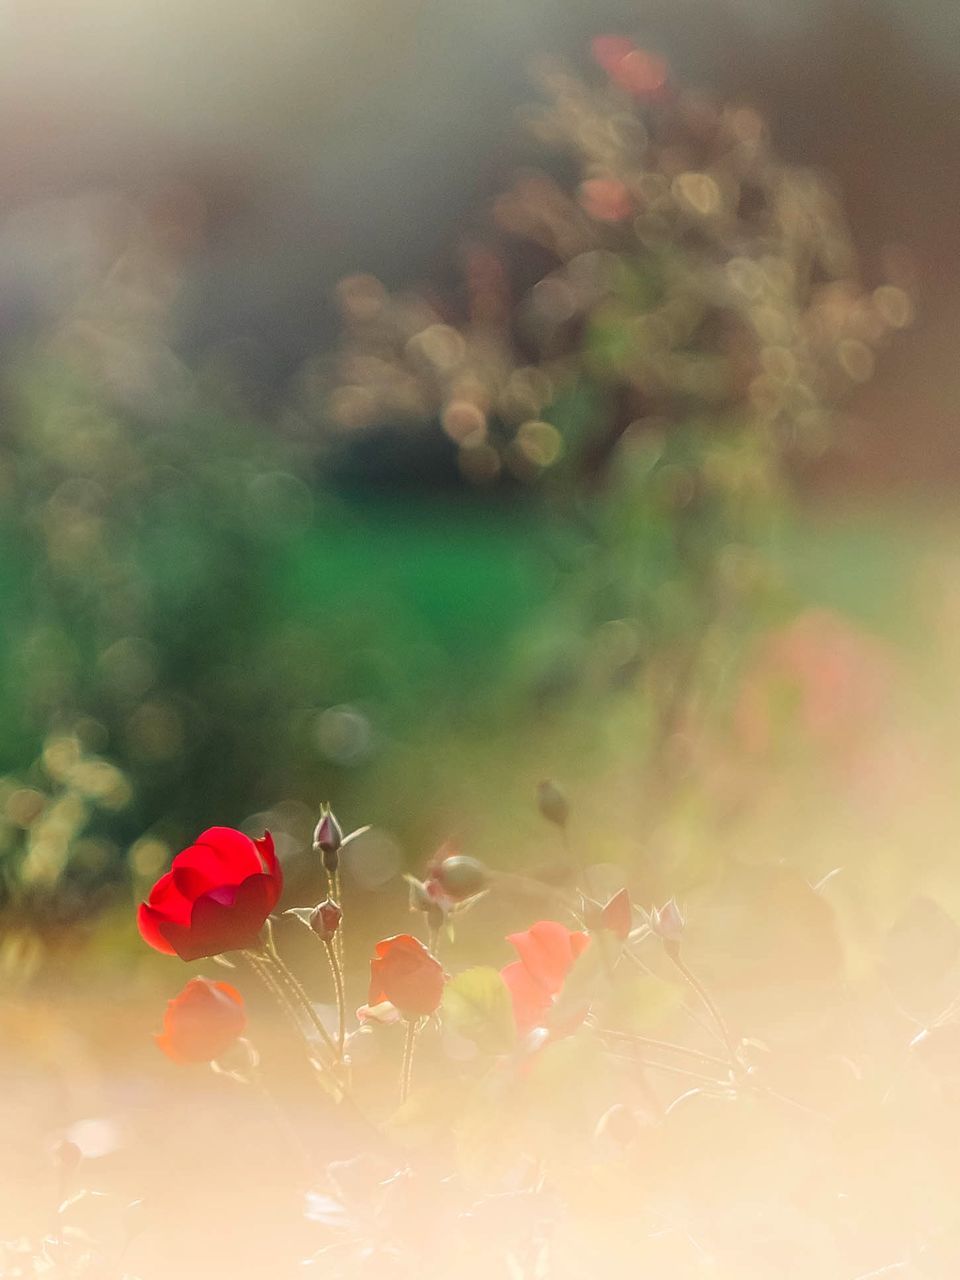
x: 461, y: 877
x: 617, y: 915
x: 327, y: 840
x: 667, y: 922
x: 325, y: 919
x: 553, y: 803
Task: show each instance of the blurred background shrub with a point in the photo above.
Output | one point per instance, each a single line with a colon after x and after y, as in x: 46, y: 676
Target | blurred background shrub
x: 253, y: 557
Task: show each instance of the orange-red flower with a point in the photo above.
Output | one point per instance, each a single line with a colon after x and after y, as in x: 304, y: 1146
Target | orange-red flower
x: 404, y: 972
x: 547, y: 951
x: 215, y: 897
x: 202, y: 1022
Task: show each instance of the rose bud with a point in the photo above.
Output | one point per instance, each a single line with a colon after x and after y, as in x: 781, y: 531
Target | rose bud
x: 215, y: 897
x: 667, y: 922
x: 553, y: 803
x: 617, y: 915
x: 405, y: 973
x: 325, y: 919
x: 461, y: 877
x: 202, y: 1022
x: 328, y: 839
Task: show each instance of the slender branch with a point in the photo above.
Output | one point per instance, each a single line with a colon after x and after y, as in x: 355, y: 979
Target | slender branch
x: 337, y: 884
x: 575, y: 854
x: 680, y: 1071
x: 665, y: 1046
x: 263, y: 972
x: 300, y: 997
x: 709, y: 1027
x: 697, y: 986
x: 406, y: 1069
x: 335, y: 969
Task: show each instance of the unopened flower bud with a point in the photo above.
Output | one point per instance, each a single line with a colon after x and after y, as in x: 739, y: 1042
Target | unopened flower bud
x: 325, y: 919
x: 617, y: 915
x: 327, y: 840
x: 461, y: 877
x: 553, y: 803
x: 667, y: 922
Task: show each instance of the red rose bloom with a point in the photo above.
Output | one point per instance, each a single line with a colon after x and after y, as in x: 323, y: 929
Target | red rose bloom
x: 202, y: 1022
x: 404, y: 972
x: 547, y: 951
x: 215, y: 897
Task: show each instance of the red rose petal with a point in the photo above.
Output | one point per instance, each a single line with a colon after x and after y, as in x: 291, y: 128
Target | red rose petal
x: 531, y: 1003
x: 202, y: 1022
x: 150, y: 922
x: 217, y: 926
x: 548, y: 950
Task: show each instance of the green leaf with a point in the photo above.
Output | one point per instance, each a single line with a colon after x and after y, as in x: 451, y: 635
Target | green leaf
x: 476, y: 1003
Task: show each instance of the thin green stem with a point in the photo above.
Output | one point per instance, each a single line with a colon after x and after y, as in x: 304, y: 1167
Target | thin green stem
x: 576, y: 856
x: 709, y: 1027
x: 406, y: 1069
x: 681, y: 1071
x: 263, y: 972
x: 337, y: 973
x: 697, y: 986
x: 339, y: 940
x: 300, y: 997
x: 665, y: 1046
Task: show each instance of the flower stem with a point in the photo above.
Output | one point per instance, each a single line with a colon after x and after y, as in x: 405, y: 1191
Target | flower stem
x: 706, y: 999
x: 664, y: 1046
x: 338, y: 937
x: 575, y: 854
x: 337, y: 973
x: 406, y: 1070
x: 301, y: 999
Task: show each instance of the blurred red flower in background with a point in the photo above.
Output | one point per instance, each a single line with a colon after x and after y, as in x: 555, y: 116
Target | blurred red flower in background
x: 606, y: 199
x: 215, y: 897
x: 640, y: 72
x: 202, y: 1022
x: 819, y: 675
x: 547, y: 952
x: 404, y: 973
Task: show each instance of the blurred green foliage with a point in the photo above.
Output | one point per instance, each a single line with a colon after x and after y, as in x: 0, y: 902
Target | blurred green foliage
x: 218, y: 614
